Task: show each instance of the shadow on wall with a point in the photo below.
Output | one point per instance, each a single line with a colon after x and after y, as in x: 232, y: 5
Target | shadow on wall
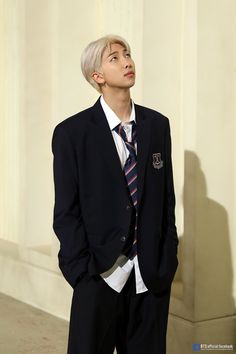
x: 204, y: 249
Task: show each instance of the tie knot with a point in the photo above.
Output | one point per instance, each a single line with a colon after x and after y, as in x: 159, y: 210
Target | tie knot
x: 119, y: 129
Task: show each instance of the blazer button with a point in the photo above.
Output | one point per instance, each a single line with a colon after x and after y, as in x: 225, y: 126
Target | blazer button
x: 128, y: 207
x: 123, y: 238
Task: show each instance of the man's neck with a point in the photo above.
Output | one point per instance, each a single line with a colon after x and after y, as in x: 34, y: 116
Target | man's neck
x: 120, y: 104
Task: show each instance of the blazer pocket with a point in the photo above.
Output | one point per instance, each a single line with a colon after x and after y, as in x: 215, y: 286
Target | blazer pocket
x: 81, y: 279
x: 168, y: 261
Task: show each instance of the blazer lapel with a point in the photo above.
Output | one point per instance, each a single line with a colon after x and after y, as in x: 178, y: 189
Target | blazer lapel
x: 105, y: 142
x: 143, y: 142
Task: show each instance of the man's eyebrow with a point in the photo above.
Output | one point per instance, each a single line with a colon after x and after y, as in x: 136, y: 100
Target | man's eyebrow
x: 116, y: 52
x: 112, y: 54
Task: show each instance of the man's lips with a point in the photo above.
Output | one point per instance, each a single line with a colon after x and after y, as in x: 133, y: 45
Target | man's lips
x: 130, y: 73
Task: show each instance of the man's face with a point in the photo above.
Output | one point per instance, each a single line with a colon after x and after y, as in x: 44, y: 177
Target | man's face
x: 117, y: 68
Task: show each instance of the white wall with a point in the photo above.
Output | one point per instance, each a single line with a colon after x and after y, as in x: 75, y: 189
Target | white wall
x: 185, y: 57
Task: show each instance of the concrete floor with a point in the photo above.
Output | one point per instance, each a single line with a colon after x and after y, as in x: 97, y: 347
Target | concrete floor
x: 24, y: 329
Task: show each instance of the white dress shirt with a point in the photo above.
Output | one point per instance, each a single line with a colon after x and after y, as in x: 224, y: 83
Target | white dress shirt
x: 117, y: 276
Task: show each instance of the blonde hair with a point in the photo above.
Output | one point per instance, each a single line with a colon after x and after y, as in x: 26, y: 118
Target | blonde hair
x: 91, y: 57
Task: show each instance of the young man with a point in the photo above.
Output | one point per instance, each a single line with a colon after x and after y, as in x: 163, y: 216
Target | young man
x: 114, y: 212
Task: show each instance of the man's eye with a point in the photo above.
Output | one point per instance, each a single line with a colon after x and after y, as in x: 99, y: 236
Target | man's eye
x: 128, y: 55
x: 113, y: 58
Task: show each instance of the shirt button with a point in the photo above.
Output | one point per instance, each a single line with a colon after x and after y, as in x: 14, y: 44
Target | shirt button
x: 123, y: 238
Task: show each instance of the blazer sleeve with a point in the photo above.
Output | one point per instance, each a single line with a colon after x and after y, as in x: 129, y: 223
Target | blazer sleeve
x: 169, y: 203
x: 67, y: 218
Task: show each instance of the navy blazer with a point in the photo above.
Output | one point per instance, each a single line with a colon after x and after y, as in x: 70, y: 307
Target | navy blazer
x: 93, y: 211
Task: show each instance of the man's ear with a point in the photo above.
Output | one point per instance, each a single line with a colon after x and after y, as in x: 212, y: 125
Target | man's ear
x: 98, y: 78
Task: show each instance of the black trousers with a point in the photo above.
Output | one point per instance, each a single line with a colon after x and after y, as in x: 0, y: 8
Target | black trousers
x: 102, y: 319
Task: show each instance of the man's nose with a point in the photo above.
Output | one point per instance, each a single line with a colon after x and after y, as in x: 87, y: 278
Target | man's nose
x: 127, y: 64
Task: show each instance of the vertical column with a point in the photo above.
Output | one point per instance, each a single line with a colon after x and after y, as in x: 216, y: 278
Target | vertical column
x: 10, y: 103
x: 206, y: 311
x: 36, y: 123
x: 162, y: 90
x: 216, y: 150
x: 124, y: 18
x: 183, y: 296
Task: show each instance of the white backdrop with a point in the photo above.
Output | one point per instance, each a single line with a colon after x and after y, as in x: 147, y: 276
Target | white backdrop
x: 185, y: 53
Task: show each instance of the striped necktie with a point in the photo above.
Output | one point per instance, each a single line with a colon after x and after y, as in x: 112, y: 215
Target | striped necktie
x: 130, y: 171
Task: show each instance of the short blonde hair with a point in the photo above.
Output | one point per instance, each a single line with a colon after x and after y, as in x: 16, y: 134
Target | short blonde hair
x: 91, y: 57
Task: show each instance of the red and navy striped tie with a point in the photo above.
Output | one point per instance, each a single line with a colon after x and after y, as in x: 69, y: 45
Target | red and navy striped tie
x: 130, y: 171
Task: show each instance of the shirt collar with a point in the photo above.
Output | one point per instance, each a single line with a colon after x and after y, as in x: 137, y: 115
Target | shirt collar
x: 112, y: 118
